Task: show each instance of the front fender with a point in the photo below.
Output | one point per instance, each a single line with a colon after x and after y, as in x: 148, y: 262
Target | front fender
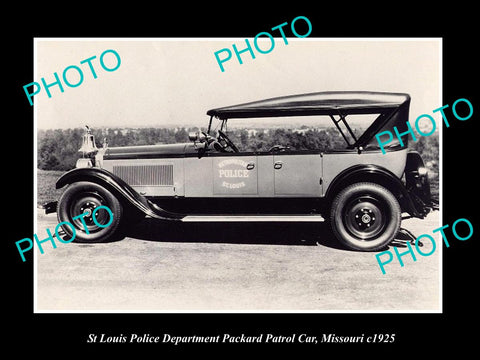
x: 124, y: 192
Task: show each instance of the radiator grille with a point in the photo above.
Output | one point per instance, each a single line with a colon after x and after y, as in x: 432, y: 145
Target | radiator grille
x: 151, y: 175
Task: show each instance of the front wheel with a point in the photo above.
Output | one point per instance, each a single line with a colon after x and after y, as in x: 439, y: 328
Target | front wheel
x: 97, y: 225
x: 365, y: 216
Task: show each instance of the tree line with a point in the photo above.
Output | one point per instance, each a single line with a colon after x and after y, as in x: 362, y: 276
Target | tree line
x: 58, y: 148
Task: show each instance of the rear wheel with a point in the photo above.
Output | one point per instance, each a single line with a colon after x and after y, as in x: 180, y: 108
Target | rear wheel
x: 365, y: 216
x: 98, y: 224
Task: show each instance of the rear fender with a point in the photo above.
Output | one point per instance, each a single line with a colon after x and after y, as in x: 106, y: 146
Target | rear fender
x: 417, y: 181
x: 376, y: 174
x: 124, y: 192
x: 416, y: 176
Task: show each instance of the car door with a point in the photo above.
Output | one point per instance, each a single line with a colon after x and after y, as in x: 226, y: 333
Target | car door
x: 297, y: 174
x: 235, y: 175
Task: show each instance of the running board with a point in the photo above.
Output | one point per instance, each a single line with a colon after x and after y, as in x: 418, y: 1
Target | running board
x: 253, y: 218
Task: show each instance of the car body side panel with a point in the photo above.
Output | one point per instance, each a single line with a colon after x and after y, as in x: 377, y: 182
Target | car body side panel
x: 335, y: 163
x: 253, y: 175
x: 198, y: 179
x: 246, y: 175
x: 265, y: 175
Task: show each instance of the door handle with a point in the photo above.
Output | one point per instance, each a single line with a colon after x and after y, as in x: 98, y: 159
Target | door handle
x: 278, y: 165
x: 250, y: 166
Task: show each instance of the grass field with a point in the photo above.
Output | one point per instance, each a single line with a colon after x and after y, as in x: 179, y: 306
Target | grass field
x: 46, y: 186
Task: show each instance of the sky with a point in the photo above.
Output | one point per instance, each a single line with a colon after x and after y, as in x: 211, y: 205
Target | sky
x: 175, y: 81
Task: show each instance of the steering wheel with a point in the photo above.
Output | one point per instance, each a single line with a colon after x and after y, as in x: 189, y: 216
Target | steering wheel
x: 276, y: 148
x: 229, y: 142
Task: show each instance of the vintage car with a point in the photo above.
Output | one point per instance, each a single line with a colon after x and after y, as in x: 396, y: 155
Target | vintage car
x: 359, y: 190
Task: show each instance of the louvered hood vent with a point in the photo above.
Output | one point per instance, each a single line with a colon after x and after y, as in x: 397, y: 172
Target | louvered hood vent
x: 145, y: 175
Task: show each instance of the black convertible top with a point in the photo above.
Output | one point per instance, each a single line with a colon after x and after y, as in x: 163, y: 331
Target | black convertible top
x: 319, y: 103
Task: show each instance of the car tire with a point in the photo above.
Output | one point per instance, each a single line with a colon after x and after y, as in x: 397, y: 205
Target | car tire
x: 98, y: 225
x: 365, y: 216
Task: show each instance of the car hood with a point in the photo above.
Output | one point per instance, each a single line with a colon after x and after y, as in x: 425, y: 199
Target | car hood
x: 148, y: 151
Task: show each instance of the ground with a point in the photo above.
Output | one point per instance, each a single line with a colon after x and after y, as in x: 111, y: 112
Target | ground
x: 236, y: 267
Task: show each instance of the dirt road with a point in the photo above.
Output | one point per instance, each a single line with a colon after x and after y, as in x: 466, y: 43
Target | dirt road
x: 234, y: 267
